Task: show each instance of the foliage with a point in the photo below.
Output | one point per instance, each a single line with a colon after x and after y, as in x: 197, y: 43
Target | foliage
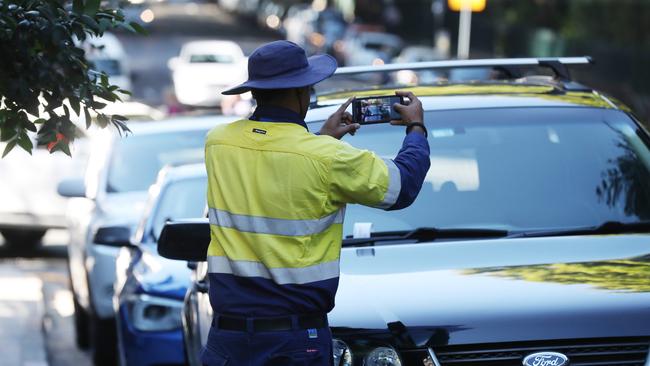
x: 617, y: 275
x: 44, y: 73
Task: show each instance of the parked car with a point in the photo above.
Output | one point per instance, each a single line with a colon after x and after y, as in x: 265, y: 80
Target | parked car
x: 204, y: 69
x: 107, y: 54
x: 113, y: 193
x: 370, y: 48
x: 28, y: 188
x: 149, y: 289
x: 528, y: 244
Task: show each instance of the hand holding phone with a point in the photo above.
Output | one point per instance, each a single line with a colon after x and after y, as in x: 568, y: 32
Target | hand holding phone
x: 376, y: 109
x: 410, y: 111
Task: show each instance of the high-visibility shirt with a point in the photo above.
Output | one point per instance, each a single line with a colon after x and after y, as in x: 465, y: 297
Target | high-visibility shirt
x: 277, y: 195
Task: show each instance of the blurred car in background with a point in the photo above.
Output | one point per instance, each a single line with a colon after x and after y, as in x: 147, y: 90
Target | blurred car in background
x: 204, y: 69
x: 28, y: 183
x: 530, y: 235
x: 113, y: 193
x: 317, y: 31
x: 369, y: 48
x: 107, y: 54
x: 149, y: 289
x: 29, y: 203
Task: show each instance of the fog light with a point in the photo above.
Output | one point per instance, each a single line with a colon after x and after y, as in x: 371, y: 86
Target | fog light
x: 341, y: 353
x: 382, y: 356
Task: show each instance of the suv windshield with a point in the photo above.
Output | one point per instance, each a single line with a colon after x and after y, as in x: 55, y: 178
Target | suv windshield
x: 519, y: 169
x: 136, y: 160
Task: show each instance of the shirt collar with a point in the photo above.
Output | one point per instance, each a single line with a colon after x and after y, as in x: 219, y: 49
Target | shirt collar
x: 269, y: 113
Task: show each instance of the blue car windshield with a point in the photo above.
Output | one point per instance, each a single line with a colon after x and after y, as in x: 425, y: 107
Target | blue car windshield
x: 519, y: 169
x: 137, y: 159
x: 181, y: 199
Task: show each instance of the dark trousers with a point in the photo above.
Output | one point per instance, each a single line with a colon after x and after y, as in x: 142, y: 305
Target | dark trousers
x: 298, y: 347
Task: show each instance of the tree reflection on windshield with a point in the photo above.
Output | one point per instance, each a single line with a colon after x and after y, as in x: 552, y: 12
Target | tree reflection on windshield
x: 626, y: 180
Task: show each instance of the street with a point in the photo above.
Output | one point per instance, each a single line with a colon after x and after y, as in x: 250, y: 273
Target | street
x: 36, y: 302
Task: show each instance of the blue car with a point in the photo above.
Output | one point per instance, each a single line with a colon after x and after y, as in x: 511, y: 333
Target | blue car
x: 149, y: 289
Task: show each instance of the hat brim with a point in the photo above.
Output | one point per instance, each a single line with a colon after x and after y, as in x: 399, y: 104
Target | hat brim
x: 320, y: 68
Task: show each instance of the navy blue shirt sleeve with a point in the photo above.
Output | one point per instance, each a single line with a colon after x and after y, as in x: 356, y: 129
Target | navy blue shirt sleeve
x: 413, y: 163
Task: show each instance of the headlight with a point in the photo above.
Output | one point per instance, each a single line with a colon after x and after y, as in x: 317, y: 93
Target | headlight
x: 341, y: 353
x: 382, y: 356
x: 150, y: 313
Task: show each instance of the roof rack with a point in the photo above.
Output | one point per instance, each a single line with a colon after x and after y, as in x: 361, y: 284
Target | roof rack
x: 513, y: 67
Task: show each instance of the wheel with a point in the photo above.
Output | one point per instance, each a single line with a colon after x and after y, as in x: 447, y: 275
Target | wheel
x: 104, y: 341
x: 23, y: 239
x: 81, y: 325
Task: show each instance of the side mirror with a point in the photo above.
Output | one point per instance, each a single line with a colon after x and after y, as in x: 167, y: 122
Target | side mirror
x: 115, y: 236
x: 186, y: 240
x: 72, y: 187
x: 172, y: 63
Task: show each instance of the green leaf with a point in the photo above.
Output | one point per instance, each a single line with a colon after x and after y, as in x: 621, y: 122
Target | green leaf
x: 39, y: 121
x: 78, y: 6
x: 25, y: 143
x: 90, y: 22
x: 139, y: 28
x: 102, y: 120
x: 9, y: 147
x: 87, y: 116
x: 74, y: 103
x: 30, y: 126
x: 63, y: 146
x: 92, y: 7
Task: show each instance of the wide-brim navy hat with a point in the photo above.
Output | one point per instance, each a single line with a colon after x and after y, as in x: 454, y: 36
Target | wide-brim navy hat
x: 284, y: 65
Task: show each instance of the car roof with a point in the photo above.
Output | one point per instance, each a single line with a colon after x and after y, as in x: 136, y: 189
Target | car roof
x: 184, y: 123
x: 219, y: 47
x: 181, y: 172
x: 474, y: 96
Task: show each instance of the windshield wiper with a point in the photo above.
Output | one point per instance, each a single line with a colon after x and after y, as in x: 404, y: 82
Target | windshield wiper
x: 425, y: 234
x: 609, y: 227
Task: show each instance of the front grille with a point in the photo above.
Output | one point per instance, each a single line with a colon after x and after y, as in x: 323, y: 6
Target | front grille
x: 587, y: 352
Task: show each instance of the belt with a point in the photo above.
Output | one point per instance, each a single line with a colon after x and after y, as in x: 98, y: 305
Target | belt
x: 270, y: 324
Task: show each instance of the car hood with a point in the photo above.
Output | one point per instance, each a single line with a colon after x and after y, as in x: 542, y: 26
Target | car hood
x: 500, y: 290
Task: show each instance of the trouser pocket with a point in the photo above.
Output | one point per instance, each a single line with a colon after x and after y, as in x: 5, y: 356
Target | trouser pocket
x: 210, y: 357
x: 298, y: 357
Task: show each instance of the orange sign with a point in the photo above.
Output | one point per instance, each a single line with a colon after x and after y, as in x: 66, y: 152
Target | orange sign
x: 475, y: 5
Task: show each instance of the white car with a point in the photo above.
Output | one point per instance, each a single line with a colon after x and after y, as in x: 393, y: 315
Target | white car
x: 113, y: 193
x: 28, y: 183
x: 107, y: 54
x: 206, y: 68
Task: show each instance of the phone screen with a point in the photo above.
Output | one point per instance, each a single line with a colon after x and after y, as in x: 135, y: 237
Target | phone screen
x: 375, y: 109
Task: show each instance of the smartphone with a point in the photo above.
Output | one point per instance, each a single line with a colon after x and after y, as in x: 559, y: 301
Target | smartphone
x: 375, y: 109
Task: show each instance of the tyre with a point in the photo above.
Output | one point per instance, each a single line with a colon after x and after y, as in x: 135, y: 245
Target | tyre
x: 104, y: 341
x: 23, y: 239
x: 81, y: 326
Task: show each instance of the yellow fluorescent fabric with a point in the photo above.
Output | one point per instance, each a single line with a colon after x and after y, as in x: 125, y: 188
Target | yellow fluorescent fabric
x: 277, y: 195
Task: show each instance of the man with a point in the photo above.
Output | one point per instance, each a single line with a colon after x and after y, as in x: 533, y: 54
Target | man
x: 276, y: 197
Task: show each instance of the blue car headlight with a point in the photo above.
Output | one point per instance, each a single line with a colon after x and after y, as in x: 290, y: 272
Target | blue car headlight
x: 152, y: 313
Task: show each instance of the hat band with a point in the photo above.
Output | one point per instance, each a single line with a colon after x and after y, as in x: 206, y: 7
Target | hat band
x: 283, y: 72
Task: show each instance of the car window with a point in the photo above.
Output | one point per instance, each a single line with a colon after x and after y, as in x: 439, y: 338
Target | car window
x: 212, y: 58
x: 182, y: 199
x: 519, y: 169
x: 110, y: 66
x: 136, y: 160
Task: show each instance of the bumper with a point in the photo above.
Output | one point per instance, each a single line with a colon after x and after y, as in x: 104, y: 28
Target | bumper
x: 200, y: 97
x: 100, y: 265
x: 30, y: 221
x: 149, y: 348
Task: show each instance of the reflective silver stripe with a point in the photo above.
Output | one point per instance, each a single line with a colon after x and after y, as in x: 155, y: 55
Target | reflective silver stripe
x: 282, y: 276
x: 267, y: 225
x: 394, y: 185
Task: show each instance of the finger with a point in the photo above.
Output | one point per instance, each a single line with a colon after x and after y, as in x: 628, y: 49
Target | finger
x: 347, y: 118
x: 406, y: 93
x: 345, y: 105
x: 399, y: 107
